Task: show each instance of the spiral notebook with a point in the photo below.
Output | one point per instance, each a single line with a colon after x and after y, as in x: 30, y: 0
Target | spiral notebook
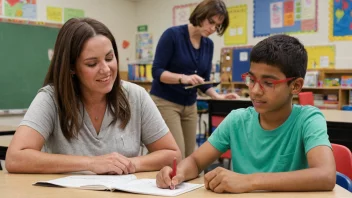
x: 126, y: 183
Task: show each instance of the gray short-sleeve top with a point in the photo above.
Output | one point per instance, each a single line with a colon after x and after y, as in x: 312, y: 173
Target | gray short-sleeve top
x: 145, y: 126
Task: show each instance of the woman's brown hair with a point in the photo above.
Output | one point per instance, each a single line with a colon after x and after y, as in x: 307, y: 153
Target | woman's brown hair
x: 68, y: 47
x: 206, y: 10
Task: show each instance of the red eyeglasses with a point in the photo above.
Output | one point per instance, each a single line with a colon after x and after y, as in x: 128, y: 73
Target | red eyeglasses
x: 265, y: 85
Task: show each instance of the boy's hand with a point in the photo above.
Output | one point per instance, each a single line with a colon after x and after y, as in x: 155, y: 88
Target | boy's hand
x: 163, y: 179
x: 221, y: 180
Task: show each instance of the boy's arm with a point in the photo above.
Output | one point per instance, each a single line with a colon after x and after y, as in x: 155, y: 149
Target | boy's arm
x: 190, y: 167
x: 321, y: 175
x: 193, y: 165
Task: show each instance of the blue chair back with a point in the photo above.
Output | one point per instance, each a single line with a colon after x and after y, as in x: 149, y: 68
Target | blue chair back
x: 343, y: 181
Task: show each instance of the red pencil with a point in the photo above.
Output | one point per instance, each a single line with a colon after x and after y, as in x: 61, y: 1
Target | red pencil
x: 174, y: 168
x: 173, y: 173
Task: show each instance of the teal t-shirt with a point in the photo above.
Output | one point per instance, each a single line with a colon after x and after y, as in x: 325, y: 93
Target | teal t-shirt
x: 283, y: 149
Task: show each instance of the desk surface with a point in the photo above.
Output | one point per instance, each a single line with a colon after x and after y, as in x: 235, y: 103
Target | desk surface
x: 210, y: 99
x: 20, y: 185
x: 6, y: 128
x: 337, y: 115
x: 5, y: 140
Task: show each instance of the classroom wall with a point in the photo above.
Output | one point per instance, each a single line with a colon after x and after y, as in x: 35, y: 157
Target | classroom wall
x: 157, y: 14
x: 118, y: 15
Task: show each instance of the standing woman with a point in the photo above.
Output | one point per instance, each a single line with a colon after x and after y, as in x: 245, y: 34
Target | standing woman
x: 184, y: 56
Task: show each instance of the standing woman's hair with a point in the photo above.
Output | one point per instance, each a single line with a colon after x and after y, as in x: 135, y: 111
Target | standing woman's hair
x: 68, y: 47
x: 206, y: 10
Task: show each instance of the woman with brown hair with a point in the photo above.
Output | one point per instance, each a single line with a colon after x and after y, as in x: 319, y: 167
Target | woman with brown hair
x: 85, y: 118
x: 184, y: 57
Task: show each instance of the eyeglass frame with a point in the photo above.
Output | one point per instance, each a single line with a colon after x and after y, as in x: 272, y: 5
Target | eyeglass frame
x: 274, y: 82
x: 212, y: 22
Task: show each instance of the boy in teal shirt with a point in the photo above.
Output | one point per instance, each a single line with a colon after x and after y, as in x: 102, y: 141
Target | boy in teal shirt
x: 275, y: 146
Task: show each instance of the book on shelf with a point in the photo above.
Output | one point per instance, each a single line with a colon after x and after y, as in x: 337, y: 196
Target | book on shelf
x: 311, y: 79
x: 125, y: 183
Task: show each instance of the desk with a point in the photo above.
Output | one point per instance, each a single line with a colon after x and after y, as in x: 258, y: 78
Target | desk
x: 4, y: 143
x: 339, y: 125
x: 337, y: 116
x: 224, y: 107
x: 6, y: 134
x: 7, y: 130
x: 20, y: 185
x: 5, y: 140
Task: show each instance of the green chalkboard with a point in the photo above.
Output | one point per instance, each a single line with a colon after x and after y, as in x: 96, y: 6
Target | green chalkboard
x: 24, y: 62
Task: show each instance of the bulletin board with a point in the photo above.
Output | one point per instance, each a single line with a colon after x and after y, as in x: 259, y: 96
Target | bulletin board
x: 24, y: 9
x: 236, y: 33
x: 284, y: 16
x: 181, y: 13
x: 240, y: 62
x: 340, y: 27
x: 0, y: 7
x: 321, y: 57
x: 144, y: 47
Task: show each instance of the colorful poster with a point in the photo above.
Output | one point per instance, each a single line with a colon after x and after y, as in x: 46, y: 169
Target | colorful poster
x: 276, y: 18
x: 289, y: 15
x: 72, y: 13
x: 144, y: 47
x: 26, y: 9
x: 308, y: 15
x: 340, y: 27
x: 181, y: 13
x: 320, y: 57
x: 54, y: 14
x: 236, y: 33
x: 284, y: 16
x: 0, y: 7
x: 298, y: 9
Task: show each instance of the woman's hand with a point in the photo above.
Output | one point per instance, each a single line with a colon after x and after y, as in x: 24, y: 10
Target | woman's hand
x: 227, y: 96
x: 113, y: 163
x: 192, y: 79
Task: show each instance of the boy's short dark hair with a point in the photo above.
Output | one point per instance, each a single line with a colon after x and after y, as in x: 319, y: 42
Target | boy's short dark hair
x: 282, y: 51
x: 206, y: 10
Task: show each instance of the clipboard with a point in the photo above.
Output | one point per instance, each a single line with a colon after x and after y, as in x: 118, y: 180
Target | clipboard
x: 213, y: 84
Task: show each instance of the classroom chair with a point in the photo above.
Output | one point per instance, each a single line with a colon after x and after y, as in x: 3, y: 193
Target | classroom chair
x: 306, y: 98
x: 202, y: 108
x: 343, y: 159
x: 216, y: 120
x: 226, y: 156
x: 343, y: 181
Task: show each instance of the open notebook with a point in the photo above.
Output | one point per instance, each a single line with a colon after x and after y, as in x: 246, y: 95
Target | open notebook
x: 127, y: 183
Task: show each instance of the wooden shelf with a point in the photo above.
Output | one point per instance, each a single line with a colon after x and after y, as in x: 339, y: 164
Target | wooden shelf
x: 330, y: 88
x: 333, y: 71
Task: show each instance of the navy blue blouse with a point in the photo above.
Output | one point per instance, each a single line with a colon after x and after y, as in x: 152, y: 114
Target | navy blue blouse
x: 176, y: 54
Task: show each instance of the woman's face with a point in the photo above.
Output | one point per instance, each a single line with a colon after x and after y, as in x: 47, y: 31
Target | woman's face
x: 209, y: 26
x: 96, y: 67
